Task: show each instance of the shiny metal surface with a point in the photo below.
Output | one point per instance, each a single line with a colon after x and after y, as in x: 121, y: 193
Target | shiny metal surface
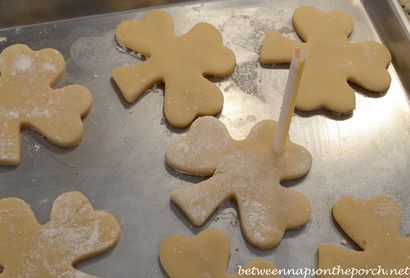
x: 402, y: 17
x: 24, y: 12
x: 394, y: 29
x: 120, y: 164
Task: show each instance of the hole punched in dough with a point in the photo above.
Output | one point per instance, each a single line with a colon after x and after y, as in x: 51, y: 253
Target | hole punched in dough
x: 332, y: 60
x: 181, y: 62
x: 74, y: 233
x: 247, y: 171
x: 205, y: 255
x: 374, y: 225
x: 27, y: 100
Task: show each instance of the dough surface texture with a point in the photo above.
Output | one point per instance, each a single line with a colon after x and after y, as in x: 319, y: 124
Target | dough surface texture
x: 27, y: 100
x: 204, y: 256
x: 247, y: 171
x: 374, y: 225
x: 332, y: 60
x: 75, y: 232
x: 181, y: 62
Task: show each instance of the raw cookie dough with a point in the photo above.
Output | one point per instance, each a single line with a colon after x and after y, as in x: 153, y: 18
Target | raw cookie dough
x: 374, y: 225
x: 204, y: 256
x: 332, y: 60
x: 26, y: 100
x: 179, y: 61
x: 75, y: 232
x: 247, y: 171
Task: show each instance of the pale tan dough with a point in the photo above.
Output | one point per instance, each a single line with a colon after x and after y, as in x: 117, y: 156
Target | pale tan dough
x: 332, y: 60
x: 181, y: 62
x: 27, y: 100
x: 74, y: 233
x: 206, y: 255
x: 247, y: 171
x: 374, y: 225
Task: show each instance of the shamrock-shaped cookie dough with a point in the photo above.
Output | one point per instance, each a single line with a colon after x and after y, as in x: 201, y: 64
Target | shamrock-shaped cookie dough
x: 181, y: 62
x: 332, y: 60
x: 206, y: 255
x: 27, y: 100
x: 374, y: 225
x: 247, y: 171
x: 75, y: 232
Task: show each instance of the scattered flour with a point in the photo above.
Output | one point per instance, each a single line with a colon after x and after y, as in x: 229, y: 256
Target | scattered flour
x: 383, y: 209
x: 43, y: 201
x: 23, y: 63
x: 49, y: 67
x: 36, y: 147
x: 37, y: 113
x: 257, y: 218
x: 9, y: 114
x: 73, y: 232
x: 244, y: 170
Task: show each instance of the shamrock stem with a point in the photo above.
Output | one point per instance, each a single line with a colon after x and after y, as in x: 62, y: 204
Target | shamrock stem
x: 135, y: 79
x: 9, y: 142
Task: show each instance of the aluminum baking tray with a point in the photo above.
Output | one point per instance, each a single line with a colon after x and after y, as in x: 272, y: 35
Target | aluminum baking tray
x: 120, y: 164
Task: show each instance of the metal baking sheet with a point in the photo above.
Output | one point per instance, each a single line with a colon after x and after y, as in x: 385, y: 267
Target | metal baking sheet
x: 392, y: 29
x: 402, y: 16
x: 120, y: 164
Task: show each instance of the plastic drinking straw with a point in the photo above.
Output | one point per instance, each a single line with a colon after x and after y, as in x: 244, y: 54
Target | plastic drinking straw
x: 289, y: 99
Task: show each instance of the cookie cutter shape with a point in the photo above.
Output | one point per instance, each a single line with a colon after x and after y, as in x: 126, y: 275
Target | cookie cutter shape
x: 181, y: 62
x: 75, y: 232
x: 332, y: 62
x: 247, y: 171
x: 27, y: 100
x: 205, y: 255
x: 374, y: 225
